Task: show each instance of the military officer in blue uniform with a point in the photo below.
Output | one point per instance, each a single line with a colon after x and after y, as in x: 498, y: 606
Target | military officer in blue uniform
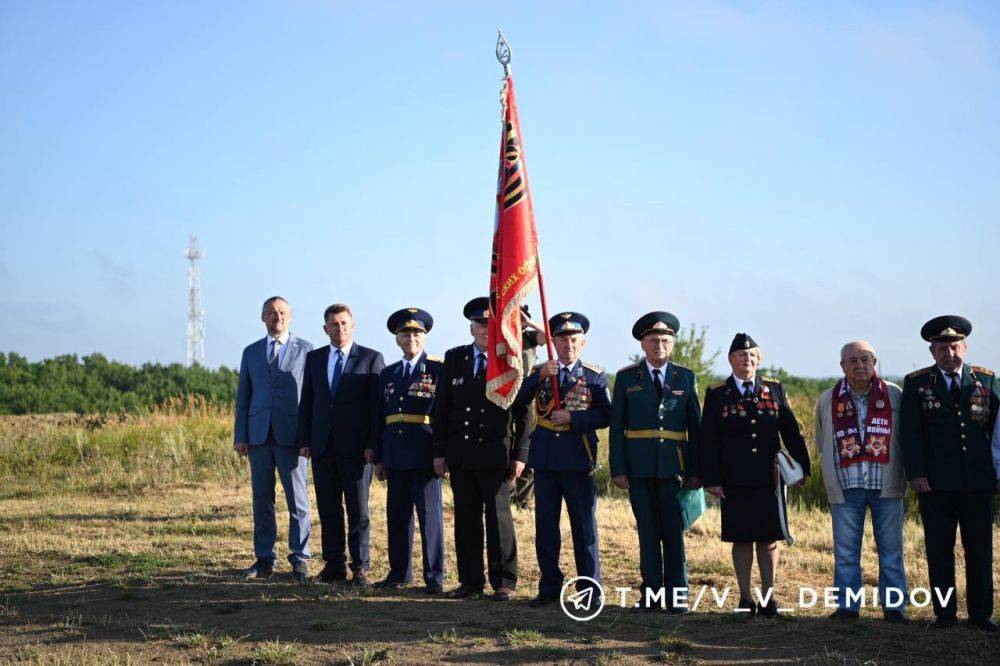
x: 947, y: 417
x: 563, y: 446
x: 402, y: 436
x: 653, y: 447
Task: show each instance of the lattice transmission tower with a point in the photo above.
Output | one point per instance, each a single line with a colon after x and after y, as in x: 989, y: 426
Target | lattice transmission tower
x: 196, y: 315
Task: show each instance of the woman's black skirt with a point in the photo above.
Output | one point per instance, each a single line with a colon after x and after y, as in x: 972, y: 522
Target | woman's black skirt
x: 753, y: 513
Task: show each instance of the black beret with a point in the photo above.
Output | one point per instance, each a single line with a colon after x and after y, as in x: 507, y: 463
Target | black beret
x: 568, y: 323
x: 742, y: 341
x: 410, y: 319
x: 946, y: 328
x: 478, y: 309
x: 656, y: 322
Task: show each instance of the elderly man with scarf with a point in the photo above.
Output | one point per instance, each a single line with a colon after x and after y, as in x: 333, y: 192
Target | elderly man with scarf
x: 857, y: 435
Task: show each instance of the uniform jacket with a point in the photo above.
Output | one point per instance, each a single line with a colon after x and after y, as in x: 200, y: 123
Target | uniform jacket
x: 572, y: 447
x: 268, y: 399
x: 344, y: 418
x: 740, y: 437
x: 404, y: 414
x: 470, y: 431
x: 893, y: 475
x: 654, y: 437
x: 948, y: 443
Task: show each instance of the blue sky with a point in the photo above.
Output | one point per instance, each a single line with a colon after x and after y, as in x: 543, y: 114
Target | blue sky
x: 807, y: 172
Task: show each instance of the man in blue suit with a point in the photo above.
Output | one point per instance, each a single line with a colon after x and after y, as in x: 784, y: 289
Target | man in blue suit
x: 403, y: 454
x: 266, y: 404
x: 335, y: 421
x: 562, y: 454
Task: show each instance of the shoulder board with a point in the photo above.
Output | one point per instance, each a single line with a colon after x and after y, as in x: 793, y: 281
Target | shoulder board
x: 770, y: 379
x: 681, y: 367
x: 590, y: 366
x: 981, y: 369
x: 436, y: 359
x: 917, y: 373
x: 628, y: 367
x: 455, y: 350
x: 721, y: 384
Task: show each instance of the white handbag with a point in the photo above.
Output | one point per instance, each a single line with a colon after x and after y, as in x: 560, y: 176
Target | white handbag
x: 790, y: 470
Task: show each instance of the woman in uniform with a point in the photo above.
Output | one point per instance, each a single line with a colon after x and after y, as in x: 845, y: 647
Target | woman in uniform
x: 745, y: 420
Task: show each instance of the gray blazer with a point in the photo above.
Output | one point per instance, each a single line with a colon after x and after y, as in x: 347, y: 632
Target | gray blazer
x: 893, y: 475
x: 268, y: 399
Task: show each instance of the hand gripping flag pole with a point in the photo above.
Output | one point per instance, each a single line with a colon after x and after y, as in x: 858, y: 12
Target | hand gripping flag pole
x: 514, y: 267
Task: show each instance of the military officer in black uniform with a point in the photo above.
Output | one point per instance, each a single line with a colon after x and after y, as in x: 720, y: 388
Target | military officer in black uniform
x: 743, y: 418
x: 402, y: 445
x: 562, y: 453
x: 653, y: 450
x: 483, y: 447
x: 947, y: 417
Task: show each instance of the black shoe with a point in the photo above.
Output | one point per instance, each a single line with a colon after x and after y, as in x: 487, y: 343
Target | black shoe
x: 768, y: 610
x: 433, y: 588
x: 541, y: 600
x: 503, y: 594
x: 387, y: 584
x: 262, y: 568
x: 986, y: 624
x: 679, y: 610
x: 895, y: 617
x: 331, y: 573
x: 463, y: 592
x: 943, y: 622
x: 848, y: 614
x: 300, y: 572
x: 746, y: 607
x: 360, y: 578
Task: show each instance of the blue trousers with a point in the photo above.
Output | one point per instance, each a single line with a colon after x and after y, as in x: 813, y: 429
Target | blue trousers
x: 848, y: 528
x: 579, y: 491
x: 408, y: 490
x: 264, y: 460
x: 661, y: 536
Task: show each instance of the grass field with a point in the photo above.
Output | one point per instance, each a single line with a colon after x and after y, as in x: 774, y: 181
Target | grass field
x: 120, y: 538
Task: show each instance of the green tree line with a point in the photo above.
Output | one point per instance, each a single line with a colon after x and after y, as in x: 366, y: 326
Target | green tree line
x: 95, y: 385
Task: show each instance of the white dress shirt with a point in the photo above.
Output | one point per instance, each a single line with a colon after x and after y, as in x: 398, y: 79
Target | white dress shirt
x: 282, y: 348
x: 408, y: 364
x: 331, y: 362
x: 739, y: 383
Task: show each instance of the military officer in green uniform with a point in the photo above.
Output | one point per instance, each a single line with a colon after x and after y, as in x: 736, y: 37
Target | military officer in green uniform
x: 947, y: 416
x: 653, y: 447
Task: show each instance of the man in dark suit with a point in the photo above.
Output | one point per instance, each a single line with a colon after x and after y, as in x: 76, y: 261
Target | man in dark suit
x: 947, y: 417
x: 484, y: 447
x: 267, y: 400
x: 336, y: 414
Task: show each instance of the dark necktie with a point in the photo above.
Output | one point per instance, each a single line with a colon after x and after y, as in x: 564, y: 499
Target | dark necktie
x: 273, y: 361
x: 406, y: 371
x: 480, y: 365
x: 747, y: 389
x: 657, y: 384
x: 956, y: 390
x: 338, y: 370
x: 563, y: 380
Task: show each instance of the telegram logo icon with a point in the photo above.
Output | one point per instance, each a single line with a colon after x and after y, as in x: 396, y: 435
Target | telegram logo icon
x: 582, y: 604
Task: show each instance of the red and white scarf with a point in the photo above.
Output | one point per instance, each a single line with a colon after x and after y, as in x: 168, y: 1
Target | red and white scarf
x: 878, y: 425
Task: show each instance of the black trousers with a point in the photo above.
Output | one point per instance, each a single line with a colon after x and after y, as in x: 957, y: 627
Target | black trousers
x: 972, y: 513
x: 341, y: 483
x: 479, y: 493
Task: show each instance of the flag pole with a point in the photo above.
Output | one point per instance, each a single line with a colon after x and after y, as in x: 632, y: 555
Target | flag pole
x: 503, y: 55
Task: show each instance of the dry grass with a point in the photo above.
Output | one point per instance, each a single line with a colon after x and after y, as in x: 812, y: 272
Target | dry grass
x: 124, y: 550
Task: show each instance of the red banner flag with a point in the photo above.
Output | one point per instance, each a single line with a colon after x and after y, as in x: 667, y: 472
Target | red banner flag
x: 514, y: 265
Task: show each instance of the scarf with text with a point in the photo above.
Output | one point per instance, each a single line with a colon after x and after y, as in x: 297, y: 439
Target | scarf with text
x: 878, y: 425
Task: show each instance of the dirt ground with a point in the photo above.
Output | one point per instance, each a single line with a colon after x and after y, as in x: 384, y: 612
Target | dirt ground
x: 151, y: 577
